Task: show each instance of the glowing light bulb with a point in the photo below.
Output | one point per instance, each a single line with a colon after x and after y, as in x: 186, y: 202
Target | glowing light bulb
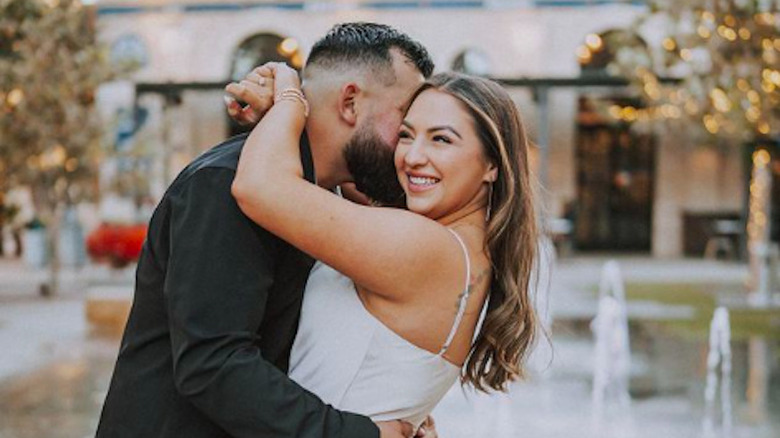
x: 594, y: 42
x: 15, y: 97
x: 584, y: 54
x: 288, y: 46
x: 711, y: 124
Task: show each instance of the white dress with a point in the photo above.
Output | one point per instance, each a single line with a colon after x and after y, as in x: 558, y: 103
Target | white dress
x: 355, y: 363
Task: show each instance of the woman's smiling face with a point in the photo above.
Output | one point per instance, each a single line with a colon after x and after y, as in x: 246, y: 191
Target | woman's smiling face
x: 440, y: 159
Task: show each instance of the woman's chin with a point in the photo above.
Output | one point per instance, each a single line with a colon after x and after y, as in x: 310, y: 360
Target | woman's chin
x: 422, y: 208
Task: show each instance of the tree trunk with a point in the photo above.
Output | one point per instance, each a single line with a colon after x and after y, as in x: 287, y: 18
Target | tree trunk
x: 51, y: 286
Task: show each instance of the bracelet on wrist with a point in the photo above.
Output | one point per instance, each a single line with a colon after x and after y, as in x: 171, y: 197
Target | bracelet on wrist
x: 294, y: 94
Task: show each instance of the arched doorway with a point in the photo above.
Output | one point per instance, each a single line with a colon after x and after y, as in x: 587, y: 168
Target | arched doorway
x: 259, y: 49
x: 615, y: 163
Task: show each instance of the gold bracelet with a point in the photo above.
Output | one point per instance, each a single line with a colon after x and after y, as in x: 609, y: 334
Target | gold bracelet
x: 294, y: 94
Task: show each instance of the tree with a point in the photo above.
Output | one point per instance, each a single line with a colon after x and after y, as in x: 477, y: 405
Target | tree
x: 50, y: 133
x: 726, y: 55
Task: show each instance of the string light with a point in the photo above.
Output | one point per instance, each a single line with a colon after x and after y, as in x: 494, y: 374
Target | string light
x: 15, y: 97
x: 774, y: 76
x: 753, y: 114
x: 711, y: 124
x: 594, y: 42
x: 720, y: 100
x: 584, y: 55
x: 691, y: 107
x: 759, y: 194
x: 72, y: 164
x: 723, y: 93
x: 288, y: 46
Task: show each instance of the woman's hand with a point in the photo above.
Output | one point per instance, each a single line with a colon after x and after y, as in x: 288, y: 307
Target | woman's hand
x: 395, y: 429
x: 427, y: 429
x: 284, y: 77
x: 257, y: 90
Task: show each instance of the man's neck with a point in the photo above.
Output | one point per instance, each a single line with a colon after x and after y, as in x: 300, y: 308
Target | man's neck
x: 329, y: 166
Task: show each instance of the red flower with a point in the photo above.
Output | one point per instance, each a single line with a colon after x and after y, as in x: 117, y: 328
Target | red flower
x: 119, y: 244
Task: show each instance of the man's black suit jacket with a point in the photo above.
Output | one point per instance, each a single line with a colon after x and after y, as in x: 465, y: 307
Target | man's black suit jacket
x: 216, y: 307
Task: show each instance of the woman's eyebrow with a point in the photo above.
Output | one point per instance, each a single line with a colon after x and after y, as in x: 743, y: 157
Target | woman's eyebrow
x: 445, y: 128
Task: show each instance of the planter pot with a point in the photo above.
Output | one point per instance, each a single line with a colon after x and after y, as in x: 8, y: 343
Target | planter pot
x: 72, y: 251
x: 36, y: 252
x: 107, y: 307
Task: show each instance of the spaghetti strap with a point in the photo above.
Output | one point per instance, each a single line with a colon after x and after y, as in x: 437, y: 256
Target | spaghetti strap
x: 464, y: 295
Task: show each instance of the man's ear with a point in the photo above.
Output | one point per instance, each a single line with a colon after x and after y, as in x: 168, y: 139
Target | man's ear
x: 348, y: 102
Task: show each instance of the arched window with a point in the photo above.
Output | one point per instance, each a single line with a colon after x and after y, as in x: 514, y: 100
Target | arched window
x: 261, y: 48
x: 472, y: 61
x: 129, y: 52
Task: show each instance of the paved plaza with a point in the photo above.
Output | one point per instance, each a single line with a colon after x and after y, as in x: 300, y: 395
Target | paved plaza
x: 54, y: 370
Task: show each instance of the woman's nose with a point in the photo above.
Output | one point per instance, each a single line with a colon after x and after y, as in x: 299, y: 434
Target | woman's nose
x: 415, y: 155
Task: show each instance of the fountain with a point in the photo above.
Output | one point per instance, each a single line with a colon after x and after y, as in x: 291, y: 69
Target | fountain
x: 719, y: 355
x: 613, y: 354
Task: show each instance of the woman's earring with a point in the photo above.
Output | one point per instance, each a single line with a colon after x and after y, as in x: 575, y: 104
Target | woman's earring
x: 490, y: 201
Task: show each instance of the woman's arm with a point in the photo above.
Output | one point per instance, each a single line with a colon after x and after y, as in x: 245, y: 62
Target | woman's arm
x: 390, y: 252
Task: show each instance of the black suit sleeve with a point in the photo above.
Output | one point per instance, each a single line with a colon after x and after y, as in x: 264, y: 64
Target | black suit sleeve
x: 220, y: 269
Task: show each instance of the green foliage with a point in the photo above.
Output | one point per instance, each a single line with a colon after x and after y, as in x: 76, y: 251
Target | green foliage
x: 726, y: 55
x: 50, y: 68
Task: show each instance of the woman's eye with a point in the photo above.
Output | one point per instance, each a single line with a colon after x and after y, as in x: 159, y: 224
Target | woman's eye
x: 441, y: 139
x: 404, y: 135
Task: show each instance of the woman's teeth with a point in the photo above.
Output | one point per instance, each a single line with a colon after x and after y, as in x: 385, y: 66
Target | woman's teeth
x: 422, y: 181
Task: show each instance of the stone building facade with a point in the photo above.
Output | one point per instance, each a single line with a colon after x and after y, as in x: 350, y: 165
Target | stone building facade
x: 200, y: 42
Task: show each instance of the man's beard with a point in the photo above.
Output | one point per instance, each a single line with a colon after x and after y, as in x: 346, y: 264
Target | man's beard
x: 370, y: 161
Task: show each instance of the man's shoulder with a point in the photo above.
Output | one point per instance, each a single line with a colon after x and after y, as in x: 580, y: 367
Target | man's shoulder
x: 223, y: 156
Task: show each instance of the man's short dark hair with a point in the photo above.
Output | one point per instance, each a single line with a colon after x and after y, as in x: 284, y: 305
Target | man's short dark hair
x: 368, y: 44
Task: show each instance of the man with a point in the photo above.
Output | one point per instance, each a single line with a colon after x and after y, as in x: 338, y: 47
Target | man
x: 217, y: 298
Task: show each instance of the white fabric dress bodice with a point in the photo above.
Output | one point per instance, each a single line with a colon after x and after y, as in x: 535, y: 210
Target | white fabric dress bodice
x: 355, y: 363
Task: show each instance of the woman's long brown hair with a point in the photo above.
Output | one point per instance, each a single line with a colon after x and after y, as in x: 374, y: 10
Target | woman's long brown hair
x: 510, y: 326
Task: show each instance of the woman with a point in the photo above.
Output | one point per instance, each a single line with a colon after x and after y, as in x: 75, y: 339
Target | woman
x: 390, y: 313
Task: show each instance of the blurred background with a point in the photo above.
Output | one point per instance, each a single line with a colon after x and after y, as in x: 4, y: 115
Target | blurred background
x: 655, y: 128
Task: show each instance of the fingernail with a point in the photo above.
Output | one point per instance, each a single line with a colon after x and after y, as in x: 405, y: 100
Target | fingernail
x: 228, y: 100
